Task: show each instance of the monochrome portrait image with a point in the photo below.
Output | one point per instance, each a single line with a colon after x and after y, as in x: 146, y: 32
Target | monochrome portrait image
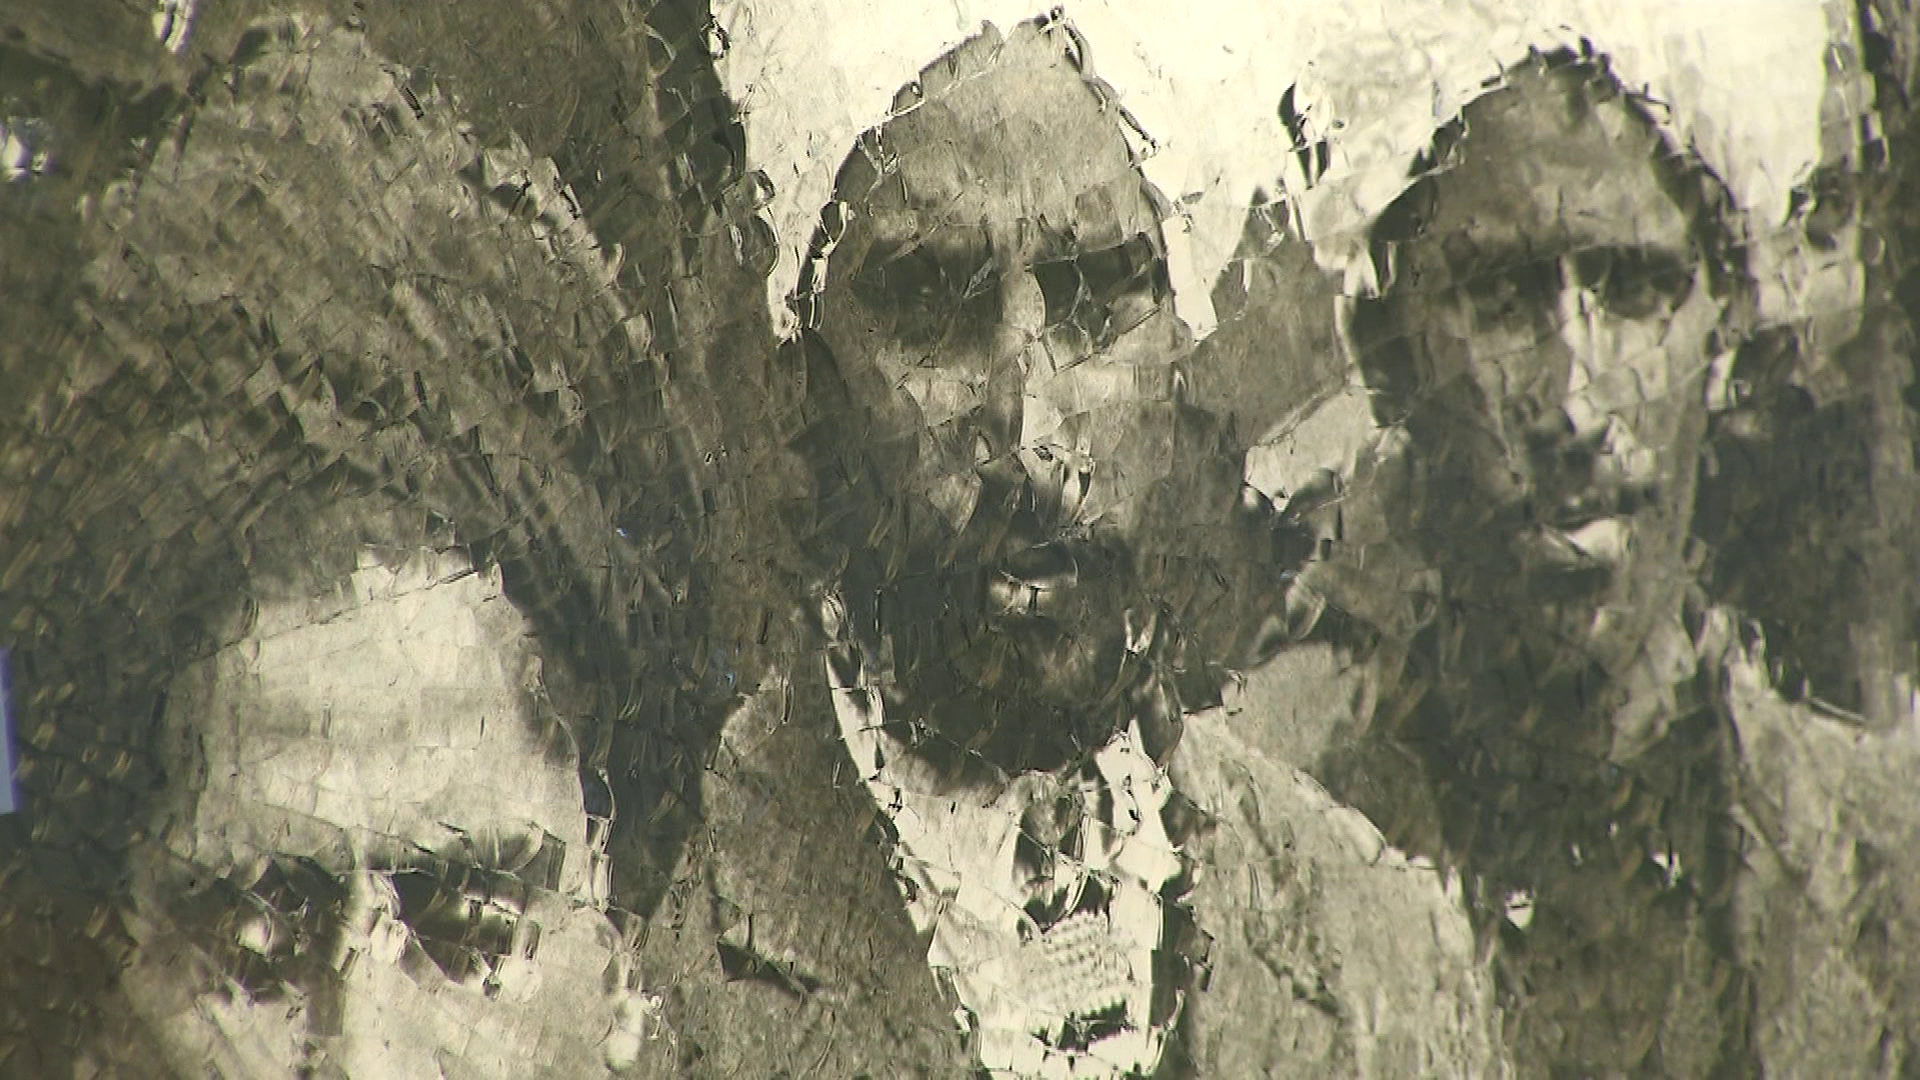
x: 734, y: 538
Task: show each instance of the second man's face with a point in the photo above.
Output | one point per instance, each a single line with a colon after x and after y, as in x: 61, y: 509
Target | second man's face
x: 1545, y: 340
x: 995, y: 281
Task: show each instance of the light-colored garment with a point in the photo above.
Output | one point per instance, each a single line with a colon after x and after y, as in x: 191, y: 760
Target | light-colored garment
x: 1025, y: 980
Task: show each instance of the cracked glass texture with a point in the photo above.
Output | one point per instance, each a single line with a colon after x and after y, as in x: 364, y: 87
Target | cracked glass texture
x: 456, y: 628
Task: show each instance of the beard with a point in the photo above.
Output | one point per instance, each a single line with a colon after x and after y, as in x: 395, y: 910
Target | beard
x: 1023, y: 642
x: 977, y: 680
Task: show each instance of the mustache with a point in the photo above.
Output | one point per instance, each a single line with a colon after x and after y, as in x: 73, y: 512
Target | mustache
x: 1214, y: 581
x: 1021, y: 536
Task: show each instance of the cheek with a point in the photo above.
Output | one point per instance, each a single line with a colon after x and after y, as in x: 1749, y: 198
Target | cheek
x: 1620, y: 365
x: 508, y: 776
x: 941, y: 395
x: 212, y: 1035
x: 1157, y: 470
x: 1521, y: 362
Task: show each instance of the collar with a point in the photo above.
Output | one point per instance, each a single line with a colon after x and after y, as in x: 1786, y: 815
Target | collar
x: 1041, y: 896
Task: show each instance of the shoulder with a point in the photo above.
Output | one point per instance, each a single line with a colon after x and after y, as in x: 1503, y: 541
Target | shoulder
x: 1330, y: 951
x: 786, y: 938
x: 1828, y: 927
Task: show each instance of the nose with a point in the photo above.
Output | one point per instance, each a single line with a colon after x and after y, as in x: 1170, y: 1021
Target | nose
x: 1018, y: 340
x: 1062, y: 404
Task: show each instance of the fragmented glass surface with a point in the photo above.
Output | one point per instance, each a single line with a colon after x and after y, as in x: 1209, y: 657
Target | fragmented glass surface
x: 929, y: 539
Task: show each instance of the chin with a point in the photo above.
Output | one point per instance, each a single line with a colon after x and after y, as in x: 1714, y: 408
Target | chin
x: 1019, y: 696
x: 1020, y: 691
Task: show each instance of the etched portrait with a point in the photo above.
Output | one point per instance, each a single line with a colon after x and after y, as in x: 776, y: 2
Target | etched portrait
x: 947, y: 538
x: 1555, y: 290
x: 323, y: 637
x: 1045, y: 560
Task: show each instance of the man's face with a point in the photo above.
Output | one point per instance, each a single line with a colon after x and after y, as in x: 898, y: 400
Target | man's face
x: 996, y: 291
x: 1545, y: 342
x: 374, y: 849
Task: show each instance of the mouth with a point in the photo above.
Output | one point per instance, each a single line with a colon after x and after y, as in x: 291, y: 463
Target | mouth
x: 1602, y: 540
x: 1593, y: 527
x: 1620, y: 499
x: 1036, y: 580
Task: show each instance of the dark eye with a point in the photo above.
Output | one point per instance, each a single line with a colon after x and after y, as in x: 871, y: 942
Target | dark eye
x: 933, y: 289
x: 1060, y: 286
x: 1103, y: 294
x: 1634, y: 283
x: 464, y: 918
x: 1514, y: 295
x: 276, y: 932
x: 1396, y: 372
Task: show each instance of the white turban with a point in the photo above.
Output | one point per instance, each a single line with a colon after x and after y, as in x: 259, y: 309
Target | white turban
x: 1746, y: 82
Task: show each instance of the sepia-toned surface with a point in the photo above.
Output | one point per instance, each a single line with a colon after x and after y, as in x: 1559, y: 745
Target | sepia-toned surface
x: 664, y: 539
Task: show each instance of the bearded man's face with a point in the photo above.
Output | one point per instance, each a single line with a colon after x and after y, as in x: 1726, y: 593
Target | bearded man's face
x: 1058, y: 527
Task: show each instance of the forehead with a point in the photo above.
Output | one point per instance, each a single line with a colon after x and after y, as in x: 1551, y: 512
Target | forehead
x: 393, y: 717
x: 1547, y: 164
x: 1002, y: 133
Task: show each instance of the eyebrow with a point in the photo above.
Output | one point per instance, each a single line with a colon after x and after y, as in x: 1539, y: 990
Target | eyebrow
x: 1647, y: 256
x: 943, y: 241
x: 913, y: 214
x: 1506, y: 258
